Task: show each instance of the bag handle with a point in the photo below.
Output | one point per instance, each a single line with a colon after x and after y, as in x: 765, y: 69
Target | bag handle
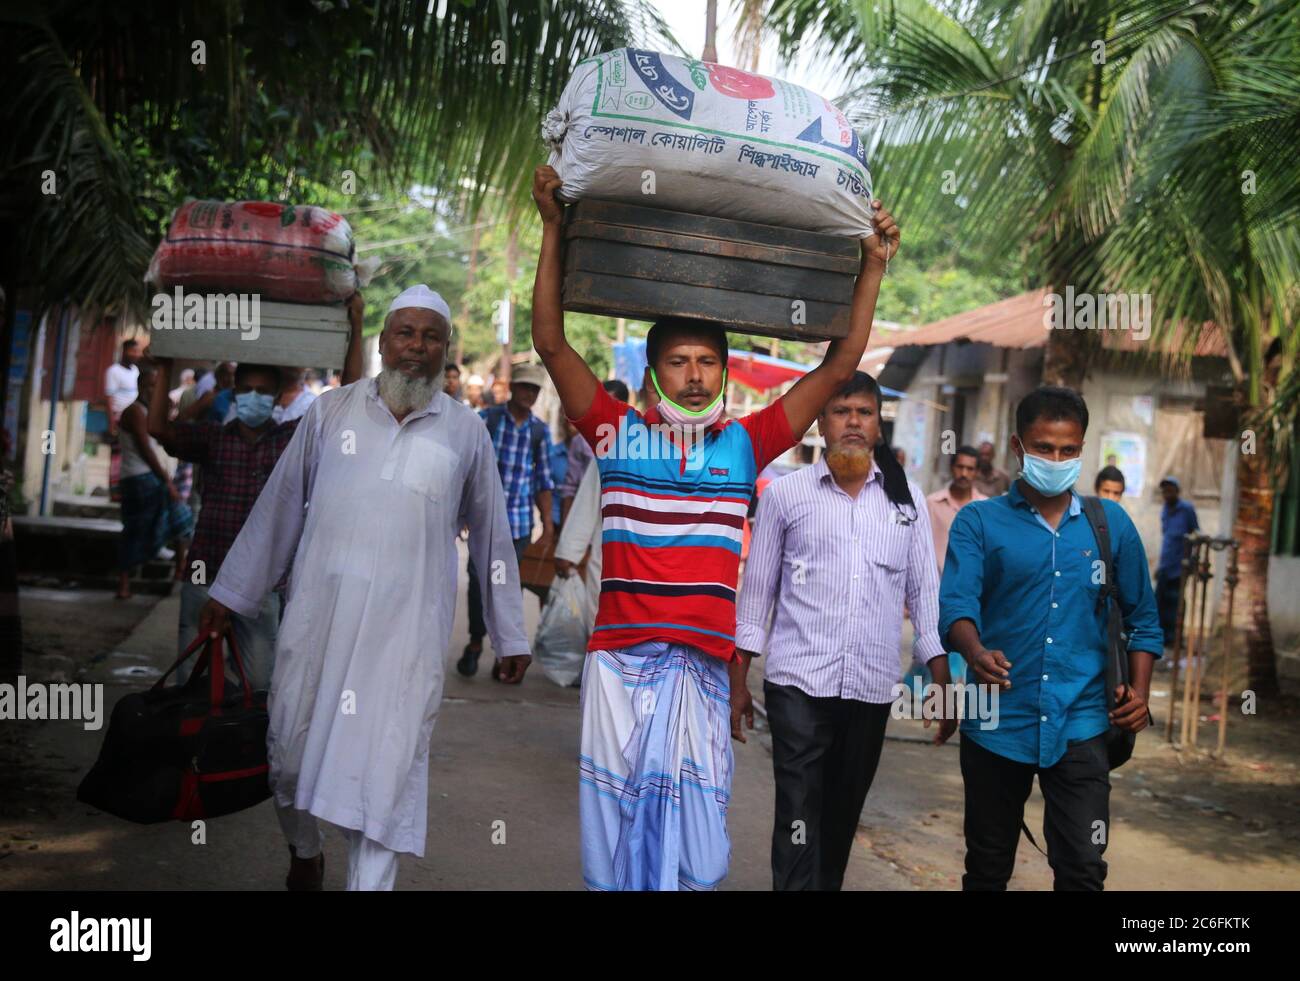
x: 1117, y: 661
x: 216, y: 676
x: 195, y: 644
x: 212, y: 660
x: 244, y: 685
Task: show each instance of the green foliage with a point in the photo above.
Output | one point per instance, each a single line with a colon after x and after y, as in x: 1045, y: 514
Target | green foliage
x: 135, y: 107
x: 1107, y: 142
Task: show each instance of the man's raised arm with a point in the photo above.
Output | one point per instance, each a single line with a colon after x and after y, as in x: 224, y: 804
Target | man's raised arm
x: 354, y: 359
x: 160, y: 426
x: 266, y: 544
x: 574, y: 380
x: 814, y: 390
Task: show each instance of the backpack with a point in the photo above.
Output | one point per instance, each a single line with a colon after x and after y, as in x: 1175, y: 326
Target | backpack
x: 1119, y: 742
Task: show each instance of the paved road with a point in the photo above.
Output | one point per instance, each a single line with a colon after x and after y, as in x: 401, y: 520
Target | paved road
x: 500, y: 753
x: 509, y: 754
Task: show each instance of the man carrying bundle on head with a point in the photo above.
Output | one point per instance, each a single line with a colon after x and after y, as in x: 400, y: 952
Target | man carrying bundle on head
x: 676, y: 483
x: 237, y: 455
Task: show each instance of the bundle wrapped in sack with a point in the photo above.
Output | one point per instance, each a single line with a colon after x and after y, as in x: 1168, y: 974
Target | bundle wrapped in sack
x: 652, y: 129
x: 291, y: 253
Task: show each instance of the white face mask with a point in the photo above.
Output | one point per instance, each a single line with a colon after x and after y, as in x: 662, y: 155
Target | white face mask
x: 679, y: 415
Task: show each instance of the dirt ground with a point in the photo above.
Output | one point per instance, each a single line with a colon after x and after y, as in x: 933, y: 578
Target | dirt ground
x: 1182, y: 820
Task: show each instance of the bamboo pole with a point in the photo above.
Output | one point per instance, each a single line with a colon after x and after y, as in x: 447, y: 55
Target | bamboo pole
x: 1186, y: 566
x: 1193, y: 719
x: 1231, y: 581
x: 1191, y: 636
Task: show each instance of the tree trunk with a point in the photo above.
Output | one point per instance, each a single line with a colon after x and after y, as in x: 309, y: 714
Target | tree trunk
x: 1069, y: 353
x: 1253, y: 527
x: 711, y: 30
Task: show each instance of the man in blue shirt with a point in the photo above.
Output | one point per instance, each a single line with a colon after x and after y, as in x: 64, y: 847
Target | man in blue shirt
x: 522, y: 443
x: 1177, y: 519
x: 1019, y: 601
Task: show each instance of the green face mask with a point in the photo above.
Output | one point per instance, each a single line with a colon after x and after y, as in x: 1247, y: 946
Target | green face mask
x: 679, y: 415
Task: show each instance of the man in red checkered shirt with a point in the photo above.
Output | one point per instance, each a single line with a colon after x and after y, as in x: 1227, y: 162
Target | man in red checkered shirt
x: 237, y: 458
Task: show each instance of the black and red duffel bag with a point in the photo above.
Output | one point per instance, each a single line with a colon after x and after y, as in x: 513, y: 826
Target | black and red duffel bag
x: 184, y: 752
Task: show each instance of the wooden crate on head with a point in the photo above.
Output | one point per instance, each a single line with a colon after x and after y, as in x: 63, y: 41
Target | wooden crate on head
x: 642, y: 263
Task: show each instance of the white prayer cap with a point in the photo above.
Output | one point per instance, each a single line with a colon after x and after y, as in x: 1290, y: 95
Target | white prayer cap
x: 423, y: 298
x: 475, y: 380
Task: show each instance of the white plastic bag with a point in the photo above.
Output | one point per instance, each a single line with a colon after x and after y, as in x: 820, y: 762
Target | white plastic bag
x: 657, y: 130
x: 560, y: 646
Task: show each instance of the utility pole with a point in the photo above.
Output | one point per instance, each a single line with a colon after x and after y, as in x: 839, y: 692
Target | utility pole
x: 711, y: 31
x: 508, y: 310
x: 470, y: 276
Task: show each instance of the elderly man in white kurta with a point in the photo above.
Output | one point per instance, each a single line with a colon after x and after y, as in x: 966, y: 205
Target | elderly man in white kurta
x: 366, y: 501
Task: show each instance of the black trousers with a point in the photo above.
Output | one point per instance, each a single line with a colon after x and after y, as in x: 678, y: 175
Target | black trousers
x: 824, y: 755
x: 1167, y: 605
x: 1076, y: 817
x: 477, y: 627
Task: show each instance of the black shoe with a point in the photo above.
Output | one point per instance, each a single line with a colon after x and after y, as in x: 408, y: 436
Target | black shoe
x: 305, y: 874
x: 468, y: 663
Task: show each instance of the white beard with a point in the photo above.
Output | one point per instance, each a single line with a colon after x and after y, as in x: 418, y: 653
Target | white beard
x: 403, y: 394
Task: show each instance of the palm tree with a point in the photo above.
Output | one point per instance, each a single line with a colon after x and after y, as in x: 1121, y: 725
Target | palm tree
x: 1108, y: 139
x: 127, y: 109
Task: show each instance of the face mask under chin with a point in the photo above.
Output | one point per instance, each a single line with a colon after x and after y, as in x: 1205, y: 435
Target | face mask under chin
x: 679, y: 415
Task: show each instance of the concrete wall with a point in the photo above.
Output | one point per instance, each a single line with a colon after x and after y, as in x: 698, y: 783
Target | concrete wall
x: 1111, y: 398
x: 1284, y: 614
x: 992, y: 380
x: 69, y: 444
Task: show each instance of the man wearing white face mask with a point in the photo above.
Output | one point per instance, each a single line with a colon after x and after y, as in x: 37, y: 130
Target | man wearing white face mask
x: 1022, y: 601
x: 237, y: 457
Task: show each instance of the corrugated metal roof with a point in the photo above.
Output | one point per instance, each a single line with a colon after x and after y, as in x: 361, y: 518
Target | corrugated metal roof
x: 1017, y: 323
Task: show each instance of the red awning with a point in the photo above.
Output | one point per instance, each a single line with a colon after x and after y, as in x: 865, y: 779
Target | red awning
x: 760, y: 371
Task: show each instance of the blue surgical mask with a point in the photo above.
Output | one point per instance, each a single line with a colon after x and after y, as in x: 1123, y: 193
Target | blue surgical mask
x: 254, y: 408
x: 1050, y: 477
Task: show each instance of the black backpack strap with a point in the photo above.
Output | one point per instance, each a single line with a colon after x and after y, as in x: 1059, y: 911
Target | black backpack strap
x: 537, y: 435
x: 493, y: 416
x: 1117, y: 658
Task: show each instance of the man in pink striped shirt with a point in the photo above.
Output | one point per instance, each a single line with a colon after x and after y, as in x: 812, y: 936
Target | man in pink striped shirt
x: 838, y: 547
x: 944, y: 503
